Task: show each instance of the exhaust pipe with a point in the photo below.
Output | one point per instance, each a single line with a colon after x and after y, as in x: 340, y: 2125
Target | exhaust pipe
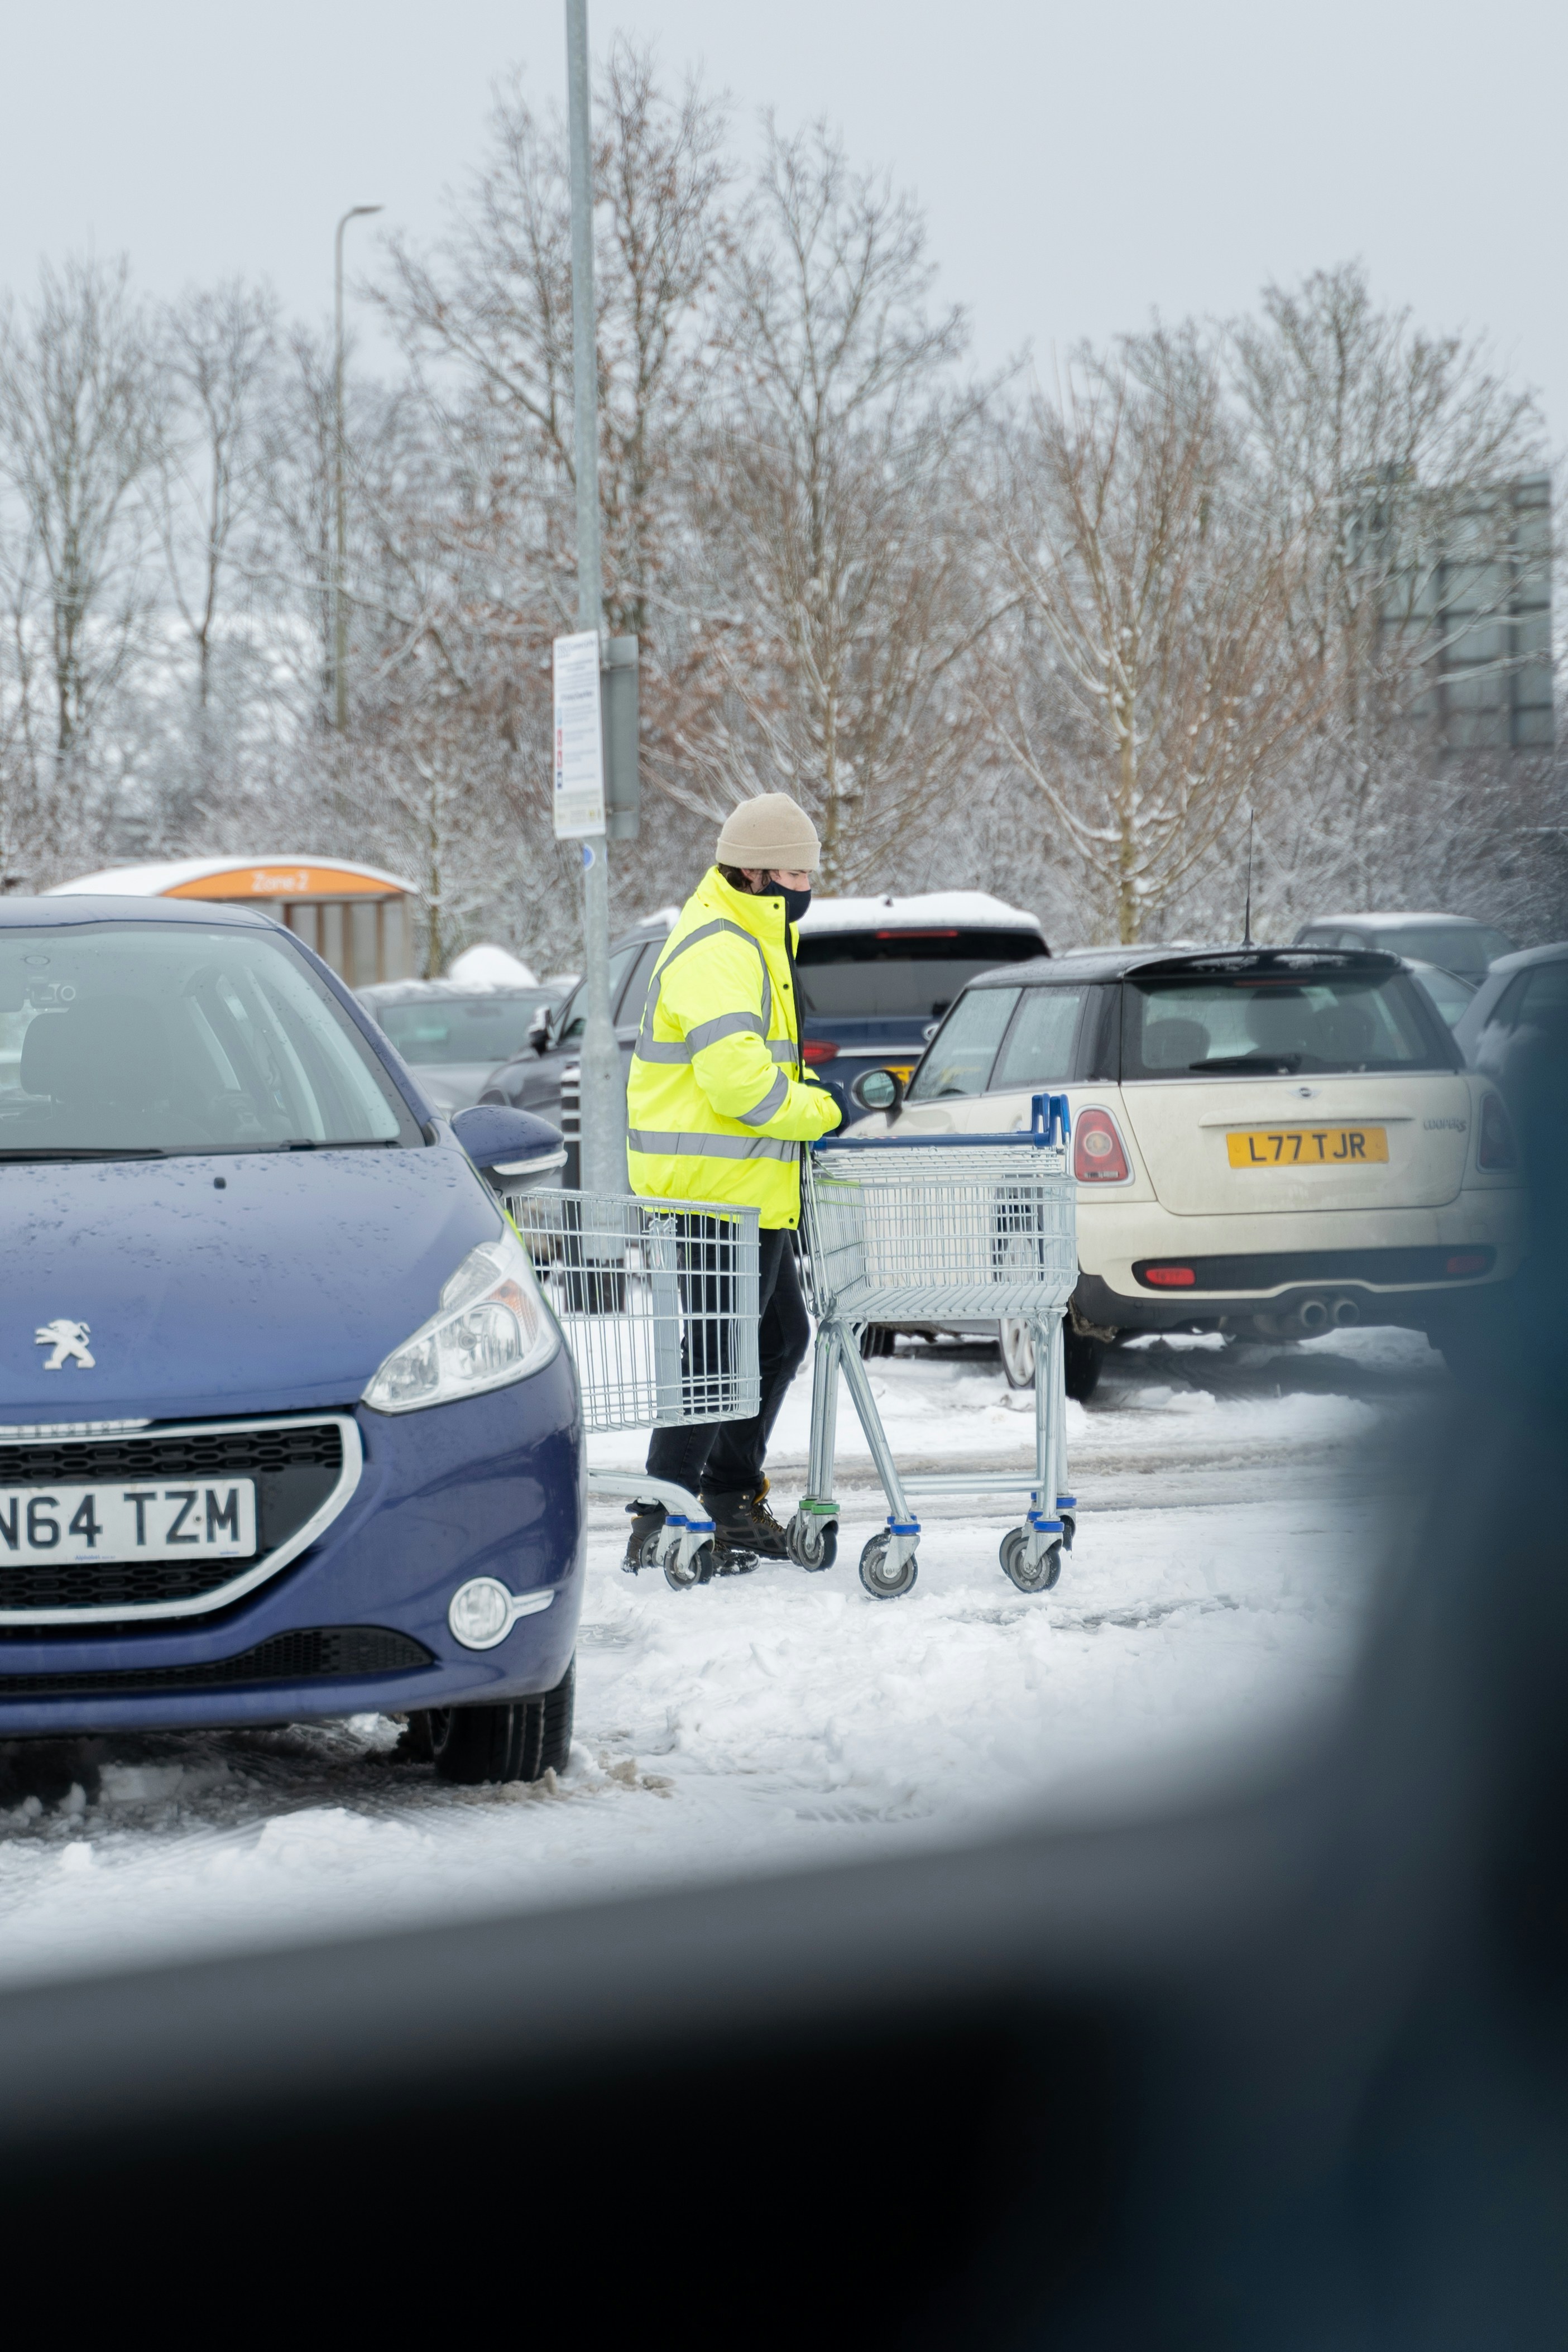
x: 1312, y: 1316
x: 1345, y: 1312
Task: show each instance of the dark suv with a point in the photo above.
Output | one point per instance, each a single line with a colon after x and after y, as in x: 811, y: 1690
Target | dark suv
x: 543, y: 1078
x: 877, y: 975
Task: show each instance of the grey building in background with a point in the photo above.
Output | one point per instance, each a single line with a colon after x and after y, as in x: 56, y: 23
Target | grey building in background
x: 1482, y: 601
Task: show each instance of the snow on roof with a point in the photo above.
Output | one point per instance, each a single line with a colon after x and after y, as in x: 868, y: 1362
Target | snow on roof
x: 156, y: 881
x: 1389, y: 916
x: 966, y: 908
x: 487, y: 966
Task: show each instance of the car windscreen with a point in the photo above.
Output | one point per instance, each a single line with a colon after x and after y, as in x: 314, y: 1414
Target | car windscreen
x: 127, y: 1038
x: 1466, y: 947
x: 1278, y: 1023
x: 488, y: 1029
x: 900, y: 974
x: 1449, y: 991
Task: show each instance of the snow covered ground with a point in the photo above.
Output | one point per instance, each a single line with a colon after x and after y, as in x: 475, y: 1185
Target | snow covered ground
x: 1228, y: 1528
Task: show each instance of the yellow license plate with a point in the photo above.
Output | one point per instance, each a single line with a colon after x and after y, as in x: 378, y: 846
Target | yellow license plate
x: 900, y: 1070
x: 1307, y: 1146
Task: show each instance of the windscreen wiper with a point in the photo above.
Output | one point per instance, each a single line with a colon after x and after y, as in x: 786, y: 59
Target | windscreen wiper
x: 83, y: 1152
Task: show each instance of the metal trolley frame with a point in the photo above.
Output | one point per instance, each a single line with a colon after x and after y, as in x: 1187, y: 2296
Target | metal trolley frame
x: 658, y: 1303
x: 960, y: 1225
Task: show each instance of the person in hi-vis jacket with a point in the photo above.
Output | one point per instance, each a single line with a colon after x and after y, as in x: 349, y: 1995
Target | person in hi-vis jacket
x: 718, y: 1105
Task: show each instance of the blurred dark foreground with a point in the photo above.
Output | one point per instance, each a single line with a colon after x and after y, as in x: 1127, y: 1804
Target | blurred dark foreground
x: 1290, y: 2069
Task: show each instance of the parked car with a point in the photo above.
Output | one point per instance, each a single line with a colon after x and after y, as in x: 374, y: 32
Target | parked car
x: 1450, y: 992
x: 541, y: 1076
x: 1271, y: 1141
x: 1455, y: 942
x: 876, y: 975
x: 453, y: 1033
x: 1515, y: 1030
x: 287, y: 1428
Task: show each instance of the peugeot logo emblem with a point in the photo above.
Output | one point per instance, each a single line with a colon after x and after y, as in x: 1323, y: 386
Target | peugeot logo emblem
x: 69, y: 1342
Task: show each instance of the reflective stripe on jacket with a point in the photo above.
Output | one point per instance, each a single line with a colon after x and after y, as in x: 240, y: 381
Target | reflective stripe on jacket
x: 717, y: 1107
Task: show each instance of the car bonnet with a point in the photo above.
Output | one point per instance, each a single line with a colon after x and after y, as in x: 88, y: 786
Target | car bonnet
x: 238, y: 1283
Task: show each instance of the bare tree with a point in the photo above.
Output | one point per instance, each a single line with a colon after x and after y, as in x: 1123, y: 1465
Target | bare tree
x: 844, y: 576
x: 81, y: 421
x: 218, y: 348
x: 1150, y: 685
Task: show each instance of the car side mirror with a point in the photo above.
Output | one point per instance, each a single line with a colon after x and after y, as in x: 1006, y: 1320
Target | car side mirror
x: 878, y: 1090
x: 539, y: 1030
x: 513, y: 1149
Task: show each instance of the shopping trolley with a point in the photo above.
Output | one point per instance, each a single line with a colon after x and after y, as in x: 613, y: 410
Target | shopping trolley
x: 963, y: 1225
x: 658, y: 1302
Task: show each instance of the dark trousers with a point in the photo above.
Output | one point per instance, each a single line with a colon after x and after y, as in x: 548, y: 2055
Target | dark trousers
x: 726, y: 1456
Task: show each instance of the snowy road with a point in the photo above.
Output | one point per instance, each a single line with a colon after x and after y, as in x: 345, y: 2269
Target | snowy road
x: 1216, y: 1590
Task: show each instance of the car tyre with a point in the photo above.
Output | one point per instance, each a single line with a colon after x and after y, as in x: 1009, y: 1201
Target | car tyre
x: 521, y: 1741
x: 876, y: 1339
x: 1083, y: 1359
x: 1015, y: 1342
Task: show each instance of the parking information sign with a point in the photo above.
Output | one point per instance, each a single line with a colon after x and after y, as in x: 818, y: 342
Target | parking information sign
x: 579, y: 739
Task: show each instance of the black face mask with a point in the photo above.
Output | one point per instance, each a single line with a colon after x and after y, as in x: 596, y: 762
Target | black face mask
x: 795, y: 902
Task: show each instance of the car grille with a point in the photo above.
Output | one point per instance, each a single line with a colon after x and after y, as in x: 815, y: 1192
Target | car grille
x: 295, y: 1465
x: 321, y: 1654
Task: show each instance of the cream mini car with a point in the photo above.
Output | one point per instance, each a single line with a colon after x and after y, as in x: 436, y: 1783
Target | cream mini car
x: 1272, y: 1141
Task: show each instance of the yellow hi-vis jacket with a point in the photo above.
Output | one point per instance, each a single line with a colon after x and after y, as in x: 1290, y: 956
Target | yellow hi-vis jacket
x: 716, y: 1108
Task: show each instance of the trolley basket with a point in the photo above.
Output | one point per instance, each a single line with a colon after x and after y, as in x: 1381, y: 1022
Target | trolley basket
x: 657, y: 1301
x: 917, y: 1228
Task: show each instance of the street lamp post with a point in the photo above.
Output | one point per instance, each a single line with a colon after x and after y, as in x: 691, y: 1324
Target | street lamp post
x: 339, y: 613
x: 601, y: 1086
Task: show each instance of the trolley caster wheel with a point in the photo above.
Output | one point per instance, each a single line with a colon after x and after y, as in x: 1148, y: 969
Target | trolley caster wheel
x: 883, y: 1580
x: 701, y: 1569
x: 1068, y: 1529
x: 814, y: 1542
x: 1014, y: 1557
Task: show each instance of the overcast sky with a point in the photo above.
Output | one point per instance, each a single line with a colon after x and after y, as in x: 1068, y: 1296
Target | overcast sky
x: 1079, y: 166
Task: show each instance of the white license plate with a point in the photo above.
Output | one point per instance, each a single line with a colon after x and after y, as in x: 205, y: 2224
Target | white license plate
x: 179, y: 1521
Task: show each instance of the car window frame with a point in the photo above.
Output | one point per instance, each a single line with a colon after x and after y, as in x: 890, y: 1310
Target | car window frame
x: 1451, y: 1056
x: 932, y: 1041
x: 1040, y: 987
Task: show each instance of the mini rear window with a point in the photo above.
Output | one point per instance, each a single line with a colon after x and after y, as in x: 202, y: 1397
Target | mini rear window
x: 900, y: 974
x: 1278, y: 1025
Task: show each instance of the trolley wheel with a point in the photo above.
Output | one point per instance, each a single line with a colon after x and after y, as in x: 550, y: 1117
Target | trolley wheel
x: 1068, y: 1529
x: 701, y: 1569
x: 1014, y: 1557
x: 886, y: 1583
x: 1015, y: 1343
x: 814, y: 1542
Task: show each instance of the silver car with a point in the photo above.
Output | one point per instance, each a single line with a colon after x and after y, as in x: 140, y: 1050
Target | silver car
x: 451, y: 1033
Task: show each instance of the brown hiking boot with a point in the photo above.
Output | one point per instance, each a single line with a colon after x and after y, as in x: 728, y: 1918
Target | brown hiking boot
x: 743, y: 1522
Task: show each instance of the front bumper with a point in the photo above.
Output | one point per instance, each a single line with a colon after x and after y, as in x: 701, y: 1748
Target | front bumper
x: 357, y: 1624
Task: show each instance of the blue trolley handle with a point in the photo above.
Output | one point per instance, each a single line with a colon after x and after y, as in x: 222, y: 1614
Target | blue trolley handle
x: 1051, y: 1118
x: 1050, y: 1123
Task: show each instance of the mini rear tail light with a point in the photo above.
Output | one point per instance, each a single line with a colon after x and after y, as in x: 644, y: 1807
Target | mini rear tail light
x: 1468, y: 1261
x: 1098, y: 1157
x: 818, y: 1049
x: 1171, y: 1277
x: 1497, y: 1145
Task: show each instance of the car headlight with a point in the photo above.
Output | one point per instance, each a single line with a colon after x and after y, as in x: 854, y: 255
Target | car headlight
x: 492, y: 1327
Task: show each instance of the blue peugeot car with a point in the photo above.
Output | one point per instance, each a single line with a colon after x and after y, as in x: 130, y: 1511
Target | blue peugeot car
x: 287, y: 1428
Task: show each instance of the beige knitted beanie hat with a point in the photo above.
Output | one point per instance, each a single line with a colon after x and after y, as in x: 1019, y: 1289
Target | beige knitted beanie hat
x: 769, y: 834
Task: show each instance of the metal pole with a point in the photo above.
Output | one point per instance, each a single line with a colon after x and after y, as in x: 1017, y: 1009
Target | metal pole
x: 340, y: 612
x: 601, y: 1087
